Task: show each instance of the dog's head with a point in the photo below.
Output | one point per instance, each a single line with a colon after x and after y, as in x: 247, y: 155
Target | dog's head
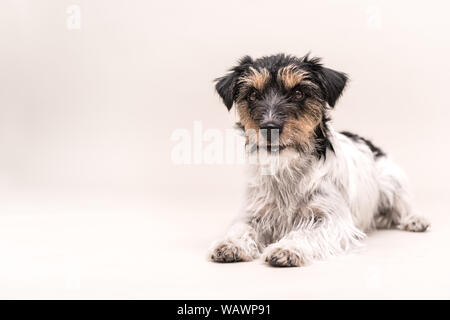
x: 283, y: 93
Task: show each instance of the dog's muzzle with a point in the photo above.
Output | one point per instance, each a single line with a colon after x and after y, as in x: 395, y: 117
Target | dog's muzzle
x: 271, y: 131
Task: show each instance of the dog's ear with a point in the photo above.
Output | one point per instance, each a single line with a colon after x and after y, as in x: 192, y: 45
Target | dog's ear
x: 333, y: 83
x: 226, y: 86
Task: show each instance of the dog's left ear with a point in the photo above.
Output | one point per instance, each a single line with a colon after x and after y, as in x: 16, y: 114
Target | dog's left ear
x: 227, y: 86
x: 333, y: 83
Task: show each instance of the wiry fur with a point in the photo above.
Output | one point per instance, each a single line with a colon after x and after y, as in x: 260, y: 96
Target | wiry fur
x: 318, y: 204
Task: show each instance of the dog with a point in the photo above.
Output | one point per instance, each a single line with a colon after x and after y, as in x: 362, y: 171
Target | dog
x: 329, y: 189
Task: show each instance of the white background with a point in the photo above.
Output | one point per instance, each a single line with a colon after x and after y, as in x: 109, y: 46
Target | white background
x: 91, y: 205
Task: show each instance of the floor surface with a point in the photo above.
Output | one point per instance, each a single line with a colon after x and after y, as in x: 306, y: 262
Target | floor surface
x: 157, y: 253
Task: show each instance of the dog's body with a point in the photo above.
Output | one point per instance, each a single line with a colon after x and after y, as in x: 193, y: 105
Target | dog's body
x: 328, y: 189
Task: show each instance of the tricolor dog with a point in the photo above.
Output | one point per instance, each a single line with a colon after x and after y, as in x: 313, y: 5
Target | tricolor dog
x: 329, y: 188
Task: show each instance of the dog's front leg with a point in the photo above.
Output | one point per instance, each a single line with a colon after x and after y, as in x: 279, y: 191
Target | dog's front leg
x: 327, y: 229
x: 239, y: 245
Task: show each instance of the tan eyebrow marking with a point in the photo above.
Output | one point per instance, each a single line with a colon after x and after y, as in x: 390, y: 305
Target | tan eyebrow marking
x: 290, y: 76
x: 256, y: 78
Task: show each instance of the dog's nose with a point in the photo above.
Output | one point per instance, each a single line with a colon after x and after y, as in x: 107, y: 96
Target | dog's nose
x: 272, y: 125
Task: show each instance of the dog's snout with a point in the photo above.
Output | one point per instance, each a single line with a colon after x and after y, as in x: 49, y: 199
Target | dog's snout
x: 271, y: 125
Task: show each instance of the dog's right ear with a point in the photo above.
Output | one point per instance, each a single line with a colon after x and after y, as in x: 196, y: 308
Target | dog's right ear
x: 227, y: 86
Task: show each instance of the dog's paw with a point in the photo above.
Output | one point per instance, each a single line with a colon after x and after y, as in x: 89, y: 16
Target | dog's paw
x: 227, y: 251
x: 281, y: 257
x: 415, y: 224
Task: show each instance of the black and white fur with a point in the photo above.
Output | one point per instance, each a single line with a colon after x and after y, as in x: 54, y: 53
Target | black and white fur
x: 317, y: 203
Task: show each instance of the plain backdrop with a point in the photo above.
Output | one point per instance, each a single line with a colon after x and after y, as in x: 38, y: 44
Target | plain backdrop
x: 91, y: 204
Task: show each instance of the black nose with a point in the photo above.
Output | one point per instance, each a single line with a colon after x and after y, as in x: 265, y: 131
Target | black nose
x: 272, y: 125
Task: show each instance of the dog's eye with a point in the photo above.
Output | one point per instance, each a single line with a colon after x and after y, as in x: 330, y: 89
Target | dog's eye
x: 252, y: 96
x: 297, y: 95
